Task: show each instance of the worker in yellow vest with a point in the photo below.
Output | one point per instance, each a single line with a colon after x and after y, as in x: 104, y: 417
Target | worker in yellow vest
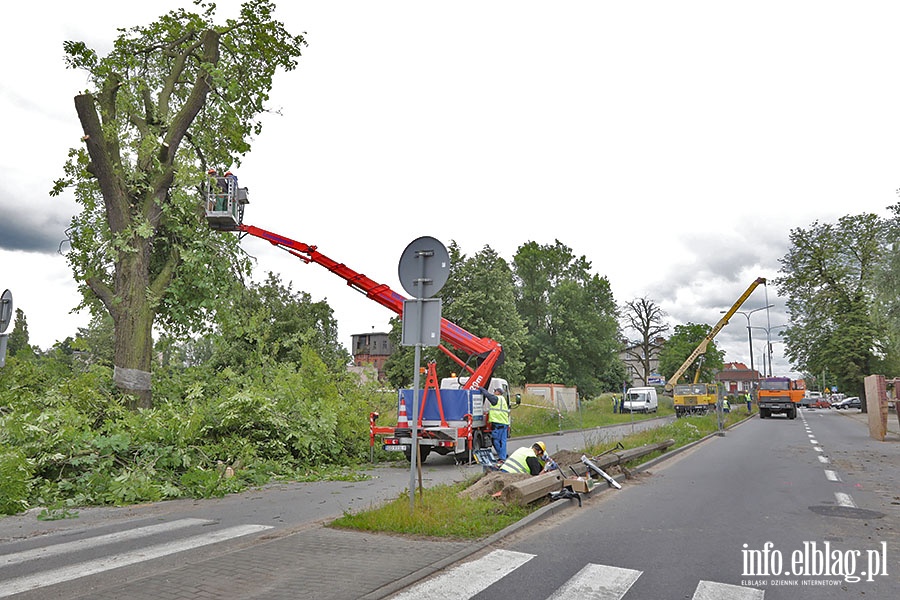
x: 498, y: 416
x: 527, y: 459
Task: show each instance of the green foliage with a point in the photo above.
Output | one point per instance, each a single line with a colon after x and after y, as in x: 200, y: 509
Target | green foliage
x: 18, y: 337
x: 480, y: 297
x: 95, y: 342
x: 171, y: 99
x: 841, y: 292
x: 15, y: 480
x: 68, y: 439
x: 571, y: 318
x: 681, y: 345
x: 270, y: 323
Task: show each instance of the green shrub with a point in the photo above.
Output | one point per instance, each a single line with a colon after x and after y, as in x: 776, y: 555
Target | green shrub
x: 15, y: 481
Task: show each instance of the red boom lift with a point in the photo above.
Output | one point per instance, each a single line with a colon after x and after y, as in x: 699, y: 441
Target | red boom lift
x: 465, y: 428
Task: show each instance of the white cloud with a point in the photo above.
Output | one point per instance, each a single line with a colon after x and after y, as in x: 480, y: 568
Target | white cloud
x: 673, y: 144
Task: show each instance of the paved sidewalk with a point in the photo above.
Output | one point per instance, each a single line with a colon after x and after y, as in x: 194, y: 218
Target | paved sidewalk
x: 893, y: 426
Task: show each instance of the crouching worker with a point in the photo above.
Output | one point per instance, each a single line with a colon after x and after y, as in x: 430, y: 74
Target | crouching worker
x: 533, y: 460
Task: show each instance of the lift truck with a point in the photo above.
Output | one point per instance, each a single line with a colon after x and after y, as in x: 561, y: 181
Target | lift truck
x: 451, y: 417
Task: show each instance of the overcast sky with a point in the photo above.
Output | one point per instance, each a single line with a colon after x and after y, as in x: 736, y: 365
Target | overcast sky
x: 673, y: 144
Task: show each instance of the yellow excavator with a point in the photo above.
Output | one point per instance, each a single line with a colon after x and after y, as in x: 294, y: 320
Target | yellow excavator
x: 698, y: 398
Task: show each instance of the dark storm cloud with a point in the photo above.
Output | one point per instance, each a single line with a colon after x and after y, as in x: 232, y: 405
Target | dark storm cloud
x: 28, y: 229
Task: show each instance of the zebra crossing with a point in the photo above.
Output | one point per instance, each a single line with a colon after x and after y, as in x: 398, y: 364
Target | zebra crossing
x: 593, y: 582
x: 10, y: 585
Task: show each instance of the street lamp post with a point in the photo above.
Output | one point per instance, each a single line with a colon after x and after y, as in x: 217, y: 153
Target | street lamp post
x: 749, y: 332
x: 769, y: 343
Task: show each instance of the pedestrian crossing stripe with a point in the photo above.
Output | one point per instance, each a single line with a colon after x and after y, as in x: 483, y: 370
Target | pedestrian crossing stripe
x: 710, y: 590
x: 99, y: 540
x: 468, y: 579
x: 92, y: 567
x: 597, y: 582
x: 593, y: 582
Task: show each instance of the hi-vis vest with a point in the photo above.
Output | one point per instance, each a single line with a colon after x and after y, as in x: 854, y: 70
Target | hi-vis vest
x: 499, y: 414
x: 517, y: 461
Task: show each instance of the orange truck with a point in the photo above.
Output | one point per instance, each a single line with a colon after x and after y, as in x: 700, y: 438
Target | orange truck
x: 780, y: 395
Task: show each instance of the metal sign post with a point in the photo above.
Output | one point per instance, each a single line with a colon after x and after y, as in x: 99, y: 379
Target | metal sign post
x: 423, y: 270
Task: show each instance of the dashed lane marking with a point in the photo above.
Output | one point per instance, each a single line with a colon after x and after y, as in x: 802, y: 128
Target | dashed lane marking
x: 844, y: 500
x: 832, y: 475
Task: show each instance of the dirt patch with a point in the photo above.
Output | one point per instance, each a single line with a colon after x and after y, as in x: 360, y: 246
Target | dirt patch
x: 567, y: 457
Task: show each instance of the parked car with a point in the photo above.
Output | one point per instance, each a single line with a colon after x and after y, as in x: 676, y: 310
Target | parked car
x: 851, y: 402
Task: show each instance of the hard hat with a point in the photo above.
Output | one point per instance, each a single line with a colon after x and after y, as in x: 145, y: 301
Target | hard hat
x: 228, y: 173
x: 541, y: 446
x: 498, y: 389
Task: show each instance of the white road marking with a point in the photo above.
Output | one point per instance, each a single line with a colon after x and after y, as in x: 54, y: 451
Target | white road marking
x: 810, y: 435
x: 468, y: 579
x: 710, y: 590
x: 91, y: 567
x: 100, y: 540
x: 597, y: 582
x: 844, y: 500
x: 813, y: 441
x: 823, y: 459
x: 832, y: 475
x: 817, y: 449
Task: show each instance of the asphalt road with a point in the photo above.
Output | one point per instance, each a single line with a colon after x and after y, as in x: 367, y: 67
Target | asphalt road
x: 775, y: 509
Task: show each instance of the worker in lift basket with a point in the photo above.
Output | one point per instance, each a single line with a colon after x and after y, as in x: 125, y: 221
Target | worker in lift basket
x: 533, y: 460
x: 498, y: 416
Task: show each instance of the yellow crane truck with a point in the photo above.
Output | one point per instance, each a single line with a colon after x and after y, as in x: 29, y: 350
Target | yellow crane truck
x: 699, y: 398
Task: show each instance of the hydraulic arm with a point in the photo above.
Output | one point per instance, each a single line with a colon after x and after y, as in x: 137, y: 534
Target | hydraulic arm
x: 488, y: 354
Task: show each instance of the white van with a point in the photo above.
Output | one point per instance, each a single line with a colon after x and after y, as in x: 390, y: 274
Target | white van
x: 641, y: 399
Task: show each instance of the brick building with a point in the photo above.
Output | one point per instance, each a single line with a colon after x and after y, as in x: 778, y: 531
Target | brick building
x: 371, y: 349
x: 736, y: 378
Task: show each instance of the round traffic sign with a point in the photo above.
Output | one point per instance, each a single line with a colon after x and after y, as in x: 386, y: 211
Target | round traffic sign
x: 424, y: 267
x: 6, y: 310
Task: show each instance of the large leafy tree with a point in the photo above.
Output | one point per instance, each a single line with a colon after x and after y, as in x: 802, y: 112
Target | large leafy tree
x: 830, y: 277
x: 480, y: 297
x: 270, y: 323
x: 886, y: 309
x: 170, y: 100
x: 679, y: 347
x: 571, y: 317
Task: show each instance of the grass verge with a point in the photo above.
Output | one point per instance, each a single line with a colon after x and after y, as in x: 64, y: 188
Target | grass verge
x: 441, y: 512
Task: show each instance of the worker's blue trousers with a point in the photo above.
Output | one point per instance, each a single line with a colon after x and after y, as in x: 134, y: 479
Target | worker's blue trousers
x: 499, y: 433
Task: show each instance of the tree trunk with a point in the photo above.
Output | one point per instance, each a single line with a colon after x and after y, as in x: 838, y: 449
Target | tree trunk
x: 133, y: 321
